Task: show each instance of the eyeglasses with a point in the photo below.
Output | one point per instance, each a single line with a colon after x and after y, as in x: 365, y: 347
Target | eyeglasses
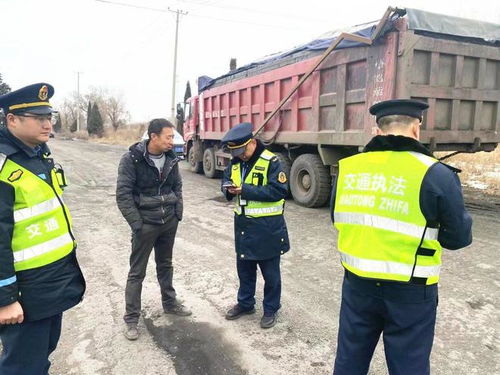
x: 52, y: 118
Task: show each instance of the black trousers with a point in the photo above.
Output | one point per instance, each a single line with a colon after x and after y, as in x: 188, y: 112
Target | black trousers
x: 26, y: 346
x: 161, y: 238
x: 247, y: 273
x: 405, y: 314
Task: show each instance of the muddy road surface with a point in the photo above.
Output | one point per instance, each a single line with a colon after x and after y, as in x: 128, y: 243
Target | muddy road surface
x: 304, y: 340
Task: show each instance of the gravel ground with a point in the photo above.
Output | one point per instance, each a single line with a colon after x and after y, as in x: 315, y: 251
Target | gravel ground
x: 303, y: 342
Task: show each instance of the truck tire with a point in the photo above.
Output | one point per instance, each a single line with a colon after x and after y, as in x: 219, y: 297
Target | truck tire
x: 194, y: 166
x: 209, y: 163
x: 310, y: 181
x: 286, y: 164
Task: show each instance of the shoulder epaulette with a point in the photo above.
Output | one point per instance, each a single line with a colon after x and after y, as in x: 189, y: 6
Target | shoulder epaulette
x: 267, y: 155
x: 453, y: 169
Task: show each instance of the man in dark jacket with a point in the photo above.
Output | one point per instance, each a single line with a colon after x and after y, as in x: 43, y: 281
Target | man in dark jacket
x: 395, y: 207
x: 39, y: 274
x: 257, y: 182
x: 149, y: 196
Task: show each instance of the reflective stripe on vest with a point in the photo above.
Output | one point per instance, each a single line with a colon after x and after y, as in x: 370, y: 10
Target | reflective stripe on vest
x: 379, y: 266
x: 43, y: 248
x: 29, y: 212
x: 386, y: 223
x: 42, y: 223
x: 258, y: 171
x: 377, y: 213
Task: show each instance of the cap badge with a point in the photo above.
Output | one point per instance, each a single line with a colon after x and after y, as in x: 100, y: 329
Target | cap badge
x: 43, y: 94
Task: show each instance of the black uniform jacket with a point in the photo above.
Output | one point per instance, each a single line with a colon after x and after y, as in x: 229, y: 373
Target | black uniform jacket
x: 142, y: 194
x: 441, y: 199
x: 263, y: 237
x: 43, y: 291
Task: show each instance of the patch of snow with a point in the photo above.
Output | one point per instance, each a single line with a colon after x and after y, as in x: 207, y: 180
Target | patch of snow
x: 477, y: 184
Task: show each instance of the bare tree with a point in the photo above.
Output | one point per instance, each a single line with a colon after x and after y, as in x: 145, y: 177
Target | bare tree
x: 68, y: 112
x: 111, y: 107
x: 115, y: 111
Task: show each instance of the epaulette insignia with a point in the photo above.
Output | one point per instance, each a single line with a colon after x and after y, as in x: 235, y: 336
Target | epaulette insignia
x: 16, y: 175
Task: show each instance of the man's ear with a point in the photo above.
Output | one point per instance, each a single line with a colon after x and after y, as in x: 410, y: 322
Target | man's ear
x: 9, y: 119
x: 377, y: 130
x: 415, y: 129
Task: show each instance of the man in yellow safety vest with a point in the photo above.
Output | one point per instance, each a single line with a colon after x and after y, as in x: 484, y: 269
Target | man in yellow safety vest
x: 395, y: 206
x: 39, y: 274
x: 255, y: 180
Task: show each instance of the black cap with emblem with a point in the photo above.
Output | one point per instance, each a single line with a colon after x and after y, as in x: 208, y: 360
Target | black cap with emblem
x: 237, y: 138
x: 407, y: 107
x: 30, y: 99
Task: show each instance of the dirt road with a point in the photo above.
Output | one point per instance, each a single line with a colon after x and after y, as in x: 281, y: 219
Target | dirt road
x: 303, y: 342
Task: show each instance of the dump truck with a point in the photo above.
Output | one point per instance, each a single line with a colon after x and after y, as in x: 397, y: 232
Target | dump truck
x: 310, y: 105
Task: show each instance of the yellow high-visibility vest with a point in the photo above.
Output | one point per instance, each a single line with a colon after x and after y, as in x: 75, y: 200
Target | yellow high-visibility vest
x: 256, y: 174
x: 42, y: 222
x: 383, y: 233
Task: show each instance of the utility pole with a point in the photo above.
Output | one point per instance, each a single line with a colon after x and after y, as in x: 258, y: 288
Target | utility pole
x: 78, y: 101
x: 178, y: 13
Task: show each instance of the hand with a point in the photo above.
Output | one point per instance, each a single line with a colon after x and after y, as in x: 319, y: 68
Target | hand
x: 234, y: 190
x: 11, y: 314
x: 136, y: 227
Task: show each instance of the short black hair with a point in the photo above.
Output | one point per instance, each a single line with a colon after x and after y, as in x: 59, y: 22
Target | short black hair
x: 156, y: 126
x: 389, y: 121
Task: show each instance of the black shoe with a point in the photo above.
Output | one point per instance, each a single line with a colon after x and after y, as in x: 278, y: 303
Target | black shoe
x: 268, y: 320
x: 236, y: 311
x: 177, y: 309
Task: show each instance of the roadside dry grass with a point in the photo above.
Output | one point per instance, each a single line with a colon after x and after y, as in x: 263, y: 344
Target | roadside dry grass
x: 123, y: 136
x: 480, y: 170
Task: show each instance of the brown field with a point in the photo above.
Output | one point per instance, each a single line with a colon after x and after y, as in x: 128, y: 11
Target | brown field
x: 480, y: 170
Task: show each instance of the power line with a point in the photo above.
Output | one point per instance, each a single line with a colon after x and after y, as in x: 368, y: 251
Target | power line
x: 178, y: 13
x: 284, y: 15
x: 274, y: 26
x: 133, y: 6
x: 198, y: 15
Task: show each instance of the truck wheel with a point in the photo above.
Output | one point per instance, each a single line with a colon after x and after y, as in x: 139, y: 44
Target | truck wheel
x: 194, y: 166
x: 209, y: 163
x: 310, y: 181
x: 286, y: 164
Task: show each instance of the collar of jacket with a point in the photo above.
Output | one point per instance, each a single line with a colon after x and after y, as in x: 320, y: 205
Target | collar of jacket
x: 396, y: 143
x: 258, y: 150
x: 139, y: 151
x: 9, y: 145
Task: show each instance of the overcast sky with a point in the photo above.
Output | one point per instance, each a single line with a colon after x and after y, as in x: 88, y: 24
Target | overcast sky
x: 129, y: 50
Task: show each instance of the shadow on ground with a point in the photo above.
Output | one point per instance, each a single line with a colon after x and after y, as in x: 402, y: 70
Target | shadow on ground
x: 196, y: 348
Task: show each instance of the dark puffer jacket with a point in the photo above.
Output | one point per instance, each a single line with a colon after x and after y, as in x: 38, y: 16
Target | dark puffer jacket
x: 142, y: 194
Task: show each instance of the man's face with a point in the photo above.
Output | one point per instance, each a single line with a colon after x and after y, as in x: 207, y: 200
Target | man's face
x: 30, y: 128
x: 163, y: 141
x: 249, y: 150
